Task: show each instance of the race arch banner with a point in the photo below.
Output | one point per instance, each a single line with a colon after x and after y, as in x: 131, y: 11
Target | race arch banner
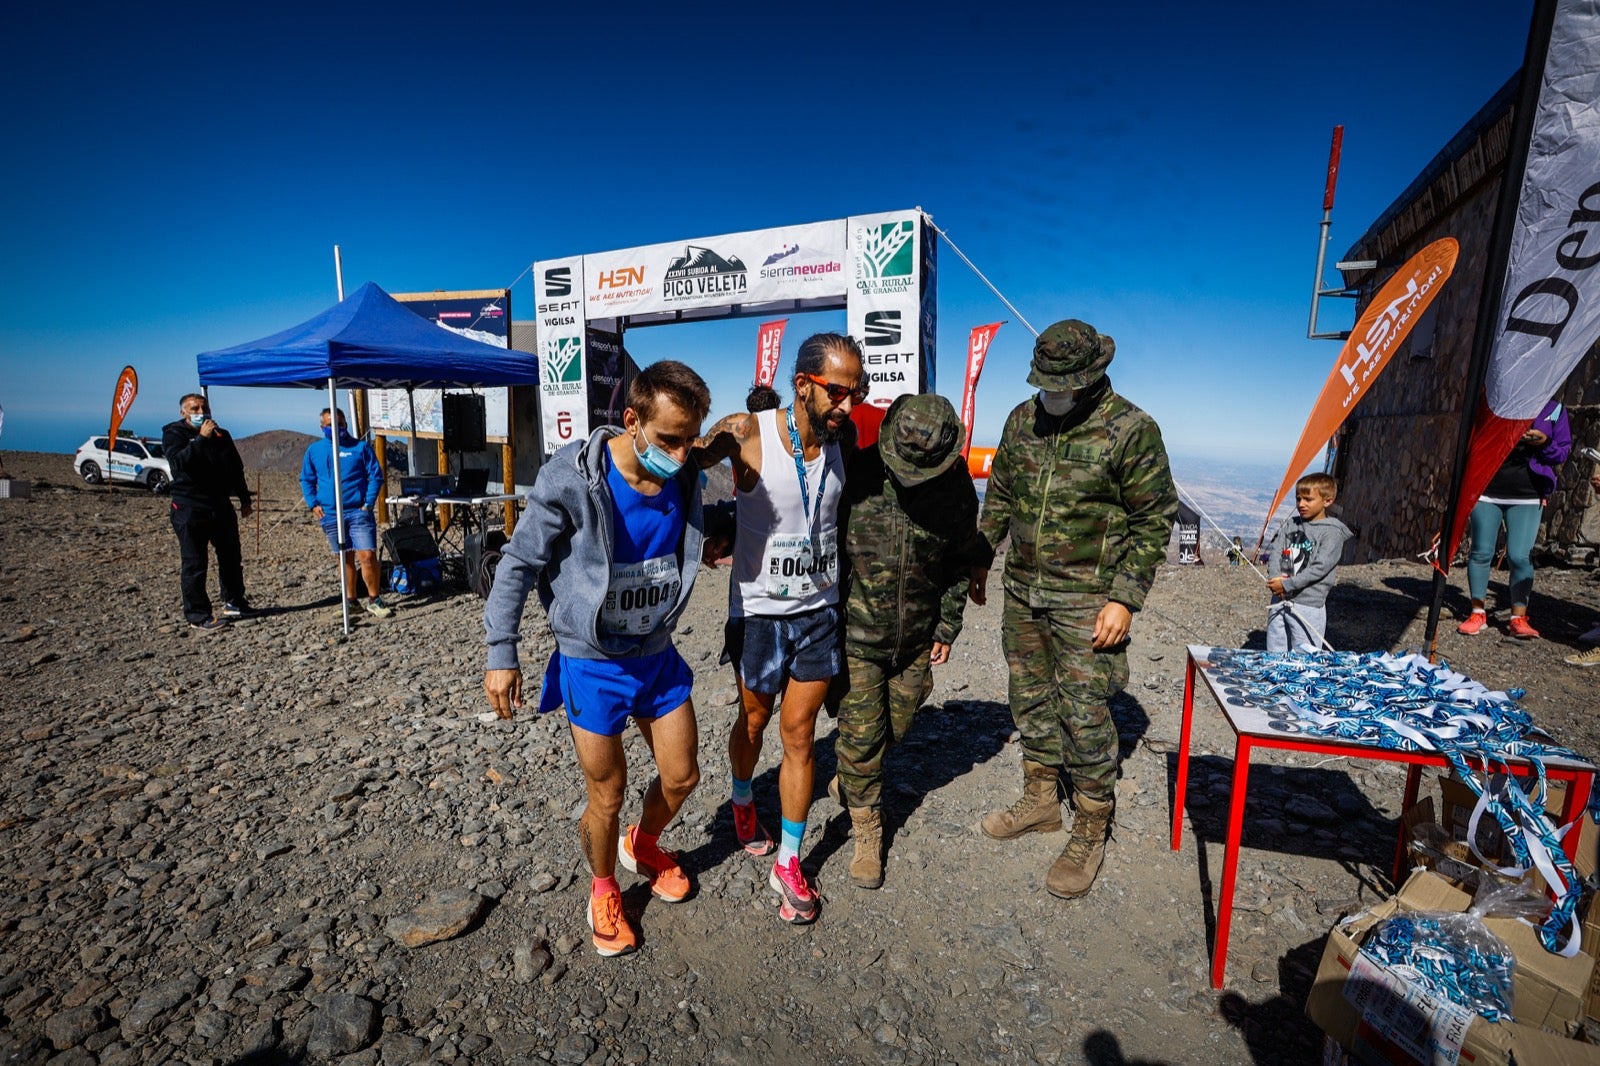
x: 889, y: 265
x: 559, y: 329
x: 878, y: 268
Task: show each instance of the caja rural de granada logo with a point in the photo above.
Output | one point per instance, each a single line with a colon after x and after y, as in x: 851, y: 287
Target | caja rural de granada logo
x: 700, y: 273
x: 886, y: 257
x: 562, y: 365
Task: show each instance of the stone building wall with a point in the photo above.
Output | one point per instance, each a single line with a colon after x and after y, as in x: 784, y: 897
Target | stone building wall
x: 1395, y: 453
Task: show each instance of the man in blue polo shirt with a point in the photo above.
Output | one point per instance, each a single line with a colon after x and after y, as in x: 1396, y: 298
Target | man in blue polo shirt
x: 360, y: 481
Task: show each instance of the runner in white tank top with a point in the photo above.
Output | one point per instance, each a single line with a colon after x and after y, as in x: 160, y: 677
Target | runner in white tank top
x: 783, y: 636
x: 786, y: 560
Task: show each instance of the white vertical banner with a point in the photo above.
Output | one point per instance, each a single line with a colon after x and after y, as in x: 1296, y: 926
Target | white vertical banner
x: 563, y: 393
x: 883, y: 263
x: 1550, y: 312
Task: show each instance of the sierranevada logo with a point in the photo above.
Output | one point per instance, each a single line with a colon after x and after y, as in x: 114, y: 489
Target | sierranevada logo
x: 561, y: 363
x: 887, y: 257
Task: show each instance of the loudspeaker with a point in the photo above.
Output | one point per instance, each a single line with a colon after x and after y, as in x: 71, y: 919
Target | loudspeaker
x: 464, y: 422
x: 483, y: 555
x: 409, y: 543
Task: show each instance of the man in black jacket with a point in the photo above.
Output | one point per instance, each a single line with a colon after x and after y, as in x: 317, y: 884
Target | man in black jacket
x: 206, y: 471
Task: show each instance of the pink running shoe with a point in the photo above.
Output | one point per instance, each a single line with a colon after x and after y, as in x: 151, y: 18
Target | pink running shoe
x: 1519, y: 626
x: 1474, y: 623
x: 797, y: 902
x: 747, y: 827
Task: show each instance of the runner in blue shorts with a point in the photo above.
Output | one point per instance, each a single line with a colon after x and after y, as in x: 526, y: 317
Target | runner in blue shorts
x: 611, y: 538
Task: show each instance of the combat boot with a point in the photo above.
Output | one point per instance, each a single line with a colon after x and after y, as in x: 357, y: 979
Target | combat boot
x: 1037, y: 810
x: 1074, y: 871
x: 866, y: 866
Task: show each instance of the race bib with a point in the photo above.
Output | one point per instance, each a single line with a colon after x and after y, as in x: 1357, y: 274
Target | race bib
x: 797, y: 568
x: 639, y: 596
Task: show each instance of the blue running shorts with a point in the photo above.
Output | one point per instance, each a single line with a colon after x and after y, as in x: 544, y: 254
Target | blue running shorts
x: 602, y: 694
x: 767, y: 650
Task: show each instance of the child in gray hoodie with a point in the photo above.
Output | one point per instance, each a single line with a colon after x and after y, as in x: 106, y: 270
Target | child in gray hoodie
x: 1305, y: 550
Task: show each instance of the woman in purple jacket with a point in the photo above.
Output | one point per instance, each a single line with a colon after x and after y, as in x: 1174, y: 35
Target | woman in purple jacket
x: 1514, y: 498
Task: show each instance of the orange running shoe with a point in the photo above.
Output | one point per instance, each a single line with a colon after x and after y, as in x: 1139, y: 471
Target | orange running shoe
x: 1521, y: 627
x: 667, y: 880
x: 612, y: 933
x: 747, y: 827
x: 1474, y: 623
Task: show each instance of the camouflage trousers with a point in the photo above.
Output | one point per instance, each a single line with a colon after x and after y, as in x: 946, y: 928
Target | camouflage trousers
x: 1061, y: 689
x: 874, y: 715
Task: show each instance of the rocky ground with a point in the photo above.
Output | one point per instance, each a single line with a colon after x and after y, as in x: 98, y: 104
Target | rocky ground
x: 278, y: 844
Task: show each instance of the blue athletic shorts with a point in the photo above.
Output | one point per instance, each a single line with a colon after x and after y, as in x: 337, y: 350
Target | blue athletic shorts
x: 765, y: 650
x: 602, y: 694
x: 359, y: 526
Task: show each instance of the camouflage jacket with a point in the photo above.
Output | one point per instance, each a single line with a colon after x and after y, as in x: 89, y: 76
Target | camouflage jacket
x: 1087, y: 499
x: 907, y: 554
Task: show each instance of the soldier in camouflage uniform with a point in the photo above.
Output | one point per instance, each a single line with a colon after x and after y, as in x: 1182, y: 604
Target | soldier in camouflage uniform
x: 1081, y: 485
x: 909, y: 513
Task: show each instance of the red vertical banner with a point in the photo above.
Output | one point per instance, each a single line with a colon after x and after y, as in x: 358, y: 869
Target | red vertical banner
x: 121, y: 400
x: 769, y: 350
x: 977, y: 349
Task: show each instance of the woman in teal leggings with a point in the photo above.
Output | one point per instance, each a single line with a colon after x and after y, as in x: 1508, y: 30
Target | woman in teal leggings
x: 1514, y: 498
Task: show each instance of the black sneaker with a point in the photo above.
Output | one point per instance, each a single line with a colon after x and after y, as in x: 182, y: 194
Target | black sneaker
x: 242, y: 609
x: 210, y: 625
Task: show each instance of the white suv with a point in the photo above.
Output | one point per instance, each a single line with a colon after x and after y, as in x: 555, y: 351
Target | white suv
x: 133, y: 459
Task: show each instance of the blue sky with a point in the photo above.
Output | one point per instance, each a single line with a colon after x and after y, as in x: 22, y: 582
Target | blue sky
x: 179, y: 177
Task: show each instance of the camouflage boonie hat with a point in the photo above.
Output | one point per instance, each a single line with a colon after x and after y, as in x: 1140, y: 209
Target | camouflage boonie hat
x: 921, y: 438
x: 1070, y: 355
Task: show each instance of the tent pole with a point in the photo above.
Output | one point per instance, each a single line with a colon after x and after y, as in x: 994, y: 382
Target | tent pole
x: 411, y: 449
x: 338, y: 506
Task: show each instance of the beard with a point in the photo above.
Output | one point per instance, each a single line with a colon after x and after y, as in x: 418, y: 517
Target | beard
x: 827, y: 431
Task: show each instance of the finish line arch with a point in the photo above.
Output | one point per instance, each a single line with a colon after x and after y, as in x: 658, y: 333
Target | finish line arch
x: 879, y: 268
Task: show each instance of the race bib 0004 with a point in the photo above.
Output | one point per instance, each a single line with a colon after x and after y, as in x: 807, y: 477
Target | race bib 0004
x: 639, y: 595
x: 796, y: 568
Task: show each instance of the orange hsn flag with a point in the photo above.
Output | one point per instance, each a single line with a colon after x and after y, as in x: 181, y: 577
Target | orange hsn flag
x: 121, y: 400
x: 1377, y: 335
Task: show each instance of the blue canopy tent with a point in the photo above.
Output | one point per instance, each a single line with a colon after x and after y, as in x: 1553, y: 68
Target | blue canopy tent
x: 368, y: 340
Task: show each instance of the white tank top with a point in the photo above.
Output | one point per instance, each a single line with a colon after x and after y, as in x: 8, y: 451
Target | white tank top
x: 783, y: 564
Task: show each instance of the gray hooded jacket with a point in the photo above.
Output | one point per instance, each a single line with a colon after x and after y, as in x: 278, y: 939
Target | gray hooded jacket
x: 1313, y: 551
x: 563, y: 544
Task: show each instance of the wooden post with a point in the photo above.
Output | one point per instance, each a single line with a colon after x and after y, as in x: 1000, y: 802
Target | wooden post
x: 380, y: 444
x: 444, y: 468
x: 508, y: 466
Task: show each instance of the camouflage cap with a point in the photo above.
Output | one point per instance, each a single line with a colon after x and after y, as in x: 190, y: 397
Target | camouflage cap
x: 1070, y: 355
x: 921, y: 438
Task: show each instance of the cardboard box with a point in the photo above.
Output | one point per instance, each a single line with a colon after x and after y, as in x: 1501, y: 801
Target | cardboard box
x: 1548, y: 995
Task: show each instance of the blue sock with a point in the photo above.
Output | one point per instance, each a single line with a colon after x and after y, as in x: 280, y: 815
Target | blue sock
x: 790, y: 847
x: 741, y: 791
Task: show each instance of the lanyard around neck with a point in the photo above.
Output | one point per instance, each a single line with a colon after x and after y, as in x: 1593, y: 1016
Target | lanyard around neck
x: 800, y: 470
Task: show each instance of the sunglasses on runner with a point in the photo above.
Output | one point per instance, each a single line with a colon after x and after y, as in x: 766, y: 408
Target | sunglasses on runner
x: 837, y: 393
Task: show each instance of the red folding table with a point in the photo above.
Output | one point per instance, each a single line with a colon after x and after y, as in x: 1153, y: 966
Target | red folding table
x: 1252, y: 728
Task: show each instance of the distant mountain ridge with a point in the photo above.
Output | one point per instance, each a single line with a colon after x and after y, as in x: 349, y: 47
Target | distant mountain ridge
x: 277, y: 451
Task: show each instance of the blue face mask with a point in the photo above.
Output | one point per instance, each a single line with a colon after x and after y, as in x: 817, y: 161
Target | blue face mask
x: 327, y: 432
x: 197, y: 420
x: 655, y: 461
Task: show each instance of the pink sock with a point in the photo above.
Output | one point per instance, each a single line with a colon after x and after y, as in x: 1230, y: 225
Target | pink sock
x: 604, y: 886
x: 644, y: 844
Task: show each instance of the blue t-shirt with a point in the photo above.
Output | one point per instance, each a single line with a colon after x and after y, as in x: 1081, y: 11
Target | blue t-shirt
x: 645, y: 577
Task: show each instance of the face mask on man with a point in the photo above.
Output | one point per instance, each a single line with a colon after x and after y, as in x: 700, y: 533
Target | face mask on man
x: 198, y: 419
x: 1057, y: 403
x: 655, y: 461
